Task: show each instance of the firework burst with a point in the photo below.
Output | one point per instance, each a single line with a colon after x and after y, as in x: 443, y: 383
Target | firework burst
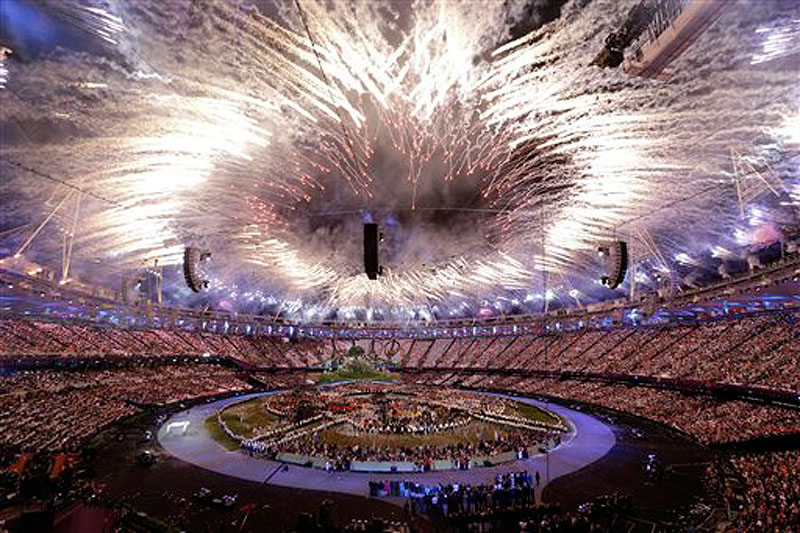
x: 496, y: 161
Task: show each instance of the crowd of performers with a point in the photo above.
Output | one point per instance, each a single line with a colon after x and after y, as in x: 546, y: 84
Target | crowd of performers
x: 365, y: 412
x: 508, y: 489
x: 506, y: 504
x: 461, y: 455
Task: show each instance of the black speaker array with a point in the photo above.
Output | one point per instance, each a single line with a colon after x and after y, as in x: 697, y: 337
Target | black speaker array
x: 191, y: 271
x: 371, y: 262
x: 617, y: 261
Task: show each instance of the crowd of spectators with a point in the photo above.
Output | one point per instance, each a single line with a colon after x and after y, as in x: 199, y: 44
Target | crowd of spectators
x: 412, y: 352
x: 30, y: 339
x: 705, y: 418
x: 772, y: 492
x: 754, y: 350
x: 487, y: 354
x: 54, y: 410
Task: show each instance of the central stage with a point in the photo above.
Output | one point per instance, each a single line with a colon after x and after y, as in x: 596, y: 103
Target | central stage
x: 587, y: 440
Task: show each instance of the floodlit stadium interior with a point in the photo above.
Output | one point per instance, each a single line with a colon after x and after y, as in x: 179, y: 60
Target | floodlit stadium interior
x: 399, y: 266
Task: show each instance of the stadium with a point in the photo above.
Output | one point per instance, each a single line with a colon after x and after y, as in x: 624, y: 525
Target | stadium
x: 399, y: 266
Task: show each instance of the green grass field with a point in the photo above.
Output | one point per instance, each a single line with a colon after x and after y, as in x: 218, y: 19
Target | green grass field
x: 241, y: 418
x: 215, y: 430
x: 246, y: 417
x: 531, y: 412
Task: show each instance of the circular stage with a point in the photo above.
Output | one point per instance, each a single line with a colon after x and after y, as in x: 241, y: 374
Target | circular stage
x: 191, y: 437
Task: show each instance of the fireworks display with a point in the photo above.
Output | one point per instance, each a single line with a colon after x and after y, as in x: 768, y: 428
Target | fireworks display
x: 479, y: 138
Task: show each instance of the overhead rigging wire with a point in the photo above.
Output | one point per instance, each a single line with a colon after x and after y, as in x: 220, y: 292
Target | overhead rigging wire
x: 326, y: 80
x: 405, y: 209
x: 60, y: 181
x: 31, y: 170
x: 667, y: 205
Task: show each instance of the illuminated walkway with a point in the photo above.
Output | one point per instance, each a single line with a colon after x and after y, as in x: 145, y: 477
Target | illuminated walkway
x: 588, y: 441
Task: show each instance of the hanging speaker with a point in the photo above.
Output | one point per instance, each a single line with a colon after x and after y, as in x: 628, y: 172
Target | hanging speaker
x: 191, y: 268
x: 371, y: 261
x: 615, y: 256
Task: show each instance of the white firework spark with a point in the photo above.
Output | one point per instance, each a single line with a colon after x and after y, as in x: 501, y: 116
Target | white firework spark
x: 213, y: 124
